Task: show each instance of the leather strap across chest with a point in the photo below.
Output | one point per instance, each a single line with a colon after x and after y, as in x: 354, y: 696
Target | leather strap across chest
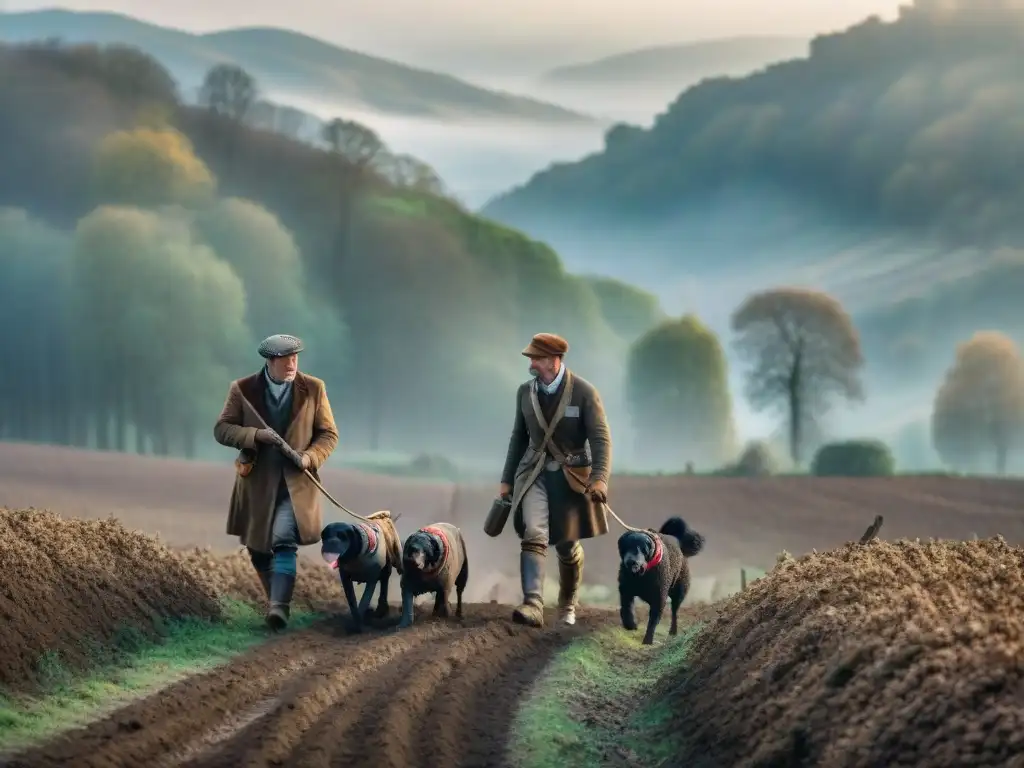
x: 445, y: 549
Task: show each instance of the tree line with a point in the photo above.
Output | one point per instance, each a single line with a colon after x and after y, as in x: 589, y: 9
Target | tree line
x: 147, y: 245
x: 803, y: 354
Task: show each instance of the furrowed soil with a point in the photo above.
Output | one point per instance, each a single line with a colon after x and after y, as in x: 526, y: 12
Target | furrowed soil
x: 440, y: 693
x: 895, y: 653
x: 443, y: 692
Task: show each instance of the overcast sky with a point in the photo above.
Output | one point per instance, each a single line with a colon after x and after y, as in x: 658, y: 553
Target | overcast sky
x: 499, y: 33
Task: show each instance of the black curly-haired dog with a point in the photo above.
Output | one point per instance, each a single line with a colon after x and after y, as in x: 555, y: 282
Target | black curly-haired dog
x: 654, y: 568
x: 434, y: 560
x: 364, y: 553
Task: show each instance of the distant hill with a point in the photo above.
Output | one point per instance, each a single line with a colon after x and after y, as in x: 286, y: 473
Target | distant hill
x: 885, y: 165
x: 289, y: 63
x: 911, y: 123
x: 681, y: 64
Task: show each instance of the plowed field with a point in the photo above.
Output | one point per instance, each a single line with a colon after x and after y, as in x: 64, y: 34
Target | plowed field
x: 438, y: 694
x: 918, y: 641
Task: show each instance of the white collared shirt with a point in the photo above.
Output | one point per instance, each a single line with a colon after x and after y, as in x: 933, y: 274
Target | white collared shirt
x: 550, y: 389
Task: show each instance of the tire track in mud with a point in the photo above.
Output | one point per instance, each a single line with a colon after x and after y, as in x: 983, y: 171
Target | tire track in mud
x: 441, y: 693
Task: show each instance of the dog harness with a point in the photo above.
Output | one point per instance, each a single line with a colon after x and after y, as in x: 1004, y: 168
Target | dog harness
x: 445, y: 548
x: 370, y: 537
x: 659, y: 551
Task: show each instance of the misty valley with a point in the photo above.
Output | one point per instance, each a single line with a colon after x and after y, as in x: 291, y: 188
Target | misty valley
x: 160, y: 214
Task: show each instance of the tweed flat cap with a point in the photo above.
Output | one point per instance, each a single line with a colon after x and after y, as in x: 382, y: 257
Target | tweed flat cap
x: 280, y: 345
x: 546, y: 345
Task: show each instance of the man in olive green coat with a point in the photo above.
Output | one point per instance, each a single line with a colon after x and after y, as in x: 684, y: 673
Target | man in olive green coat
x: 558, y: 487
x: 275, y: 508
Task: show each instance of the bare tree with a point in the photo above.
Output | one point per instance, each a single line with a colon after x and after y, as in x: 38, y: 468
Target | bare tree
x: 354, y: 141
x: 804, y: 349
x: 979, y: 408
x: 229, y: 90
x: 409, y: 172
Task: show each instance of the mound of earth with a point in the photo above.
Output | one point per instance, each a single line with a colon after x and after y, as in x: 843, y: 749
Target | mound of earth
x: 233, y: 576
x: 71, y: 588
x: 903, y: 653
x: 73, y: 591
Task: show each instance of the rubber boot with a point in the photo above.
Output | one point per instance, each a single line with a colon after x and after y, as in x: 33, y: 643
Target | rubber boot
x: 570, y: 579
x: 531, y: 571
x: 265, y: 582
x: 282, y: 585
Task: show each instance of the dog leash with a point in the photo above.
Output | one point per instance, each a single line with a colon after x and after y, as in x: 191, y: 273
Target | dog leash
x: 622, y: 522
x: 296, y: 459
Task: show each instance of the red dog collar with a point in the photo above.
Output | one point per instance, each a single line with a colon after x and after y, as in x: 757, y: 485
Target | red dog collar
x: 659, y: 551
x: 445, y: 547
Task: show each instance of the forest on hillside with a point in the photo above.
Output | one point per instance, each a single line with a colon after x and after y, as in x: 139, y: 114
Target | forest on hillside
x: 904, y: 139
x: 916, y: 122
x: 146, y: 246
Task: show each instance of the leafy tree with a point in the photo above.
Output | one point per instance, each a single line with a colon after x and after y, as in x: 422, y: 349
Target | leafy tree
x: 804, y: 349
x: 979, y: 408
x: 678, y: 393
x: 35, y: 390
x: 150, y: 168
x: 629, y: 310
x: 160, y: 321
x: 280, y: 297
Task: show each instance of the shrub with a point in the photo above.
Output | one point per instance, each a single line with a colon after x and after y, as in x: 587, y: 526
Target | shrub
x: 854, y: 458
x: 757, y: 460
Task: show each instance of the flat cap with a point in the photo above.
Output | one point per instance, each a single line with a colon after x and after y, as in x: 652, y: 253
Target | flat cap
x: 546, y: 345
x: 280, y: 345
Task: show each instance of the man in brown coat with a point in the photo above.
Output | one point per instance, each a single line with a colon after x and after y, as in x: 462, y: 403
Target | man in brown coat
x: 275, y: 508
x: 558, y: 487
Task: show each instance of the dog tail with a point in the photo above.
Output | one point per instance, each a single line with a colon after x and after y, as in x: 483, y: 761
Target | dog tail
x: 690, y: 541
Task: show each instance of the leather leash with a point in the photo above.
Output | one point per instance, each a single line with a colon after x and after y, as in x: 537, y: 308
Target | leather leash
x: 292, y: 455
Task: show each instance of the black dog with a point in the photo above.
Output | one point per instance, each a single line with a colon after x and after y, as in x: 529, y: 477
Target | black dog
x: 364, y: 553
x: 654, y: 568
x: 434, y: 560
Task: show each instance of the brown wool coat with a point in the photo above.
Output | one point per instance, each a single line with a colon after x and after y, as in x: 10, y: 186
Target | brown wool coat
x: 312, y: 430
x: 572, y: 514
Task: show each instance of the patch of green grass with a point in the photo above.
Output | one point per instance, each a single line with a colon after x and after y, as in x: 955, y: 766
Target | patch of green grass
x: 136, y: 667
x: 594, y: 699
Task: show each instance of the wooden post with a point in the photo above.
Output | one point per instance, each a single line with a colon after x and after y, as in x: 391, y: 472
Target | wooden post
x: 743, y: 579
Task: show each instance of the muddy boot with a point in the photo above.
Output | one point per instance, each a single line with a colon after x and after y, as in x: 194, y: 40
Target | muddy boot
x: 531, y: 569
x: 570, y: 578
x: 281, y: 587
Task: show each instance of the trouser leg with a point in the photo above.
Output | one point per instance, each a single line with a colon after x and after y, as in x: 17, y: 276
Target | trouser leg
x: 570, y: 579
x: 284, y: 564
x: 532, y: 556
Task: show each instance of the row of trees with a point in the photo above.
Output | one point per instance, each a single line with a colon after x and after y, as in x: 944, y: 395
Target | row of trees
x: 148, y: 245
x: 145, y: 251
x: 803, y: 354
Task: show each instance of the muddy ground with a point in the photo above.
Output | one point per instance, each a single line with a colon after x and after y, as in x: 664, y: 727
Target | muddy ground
x: 904, y: 653
x: 442, y: 693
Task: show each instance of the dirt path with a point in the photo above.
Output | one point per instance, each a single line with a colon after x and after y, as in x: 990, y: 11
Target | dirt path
x: 441, y: 693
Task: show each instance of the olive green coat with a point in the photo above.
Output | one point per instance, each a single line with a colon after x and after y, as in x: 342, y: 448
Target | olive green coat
x: 572, y: 515
x: 311, y: 431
